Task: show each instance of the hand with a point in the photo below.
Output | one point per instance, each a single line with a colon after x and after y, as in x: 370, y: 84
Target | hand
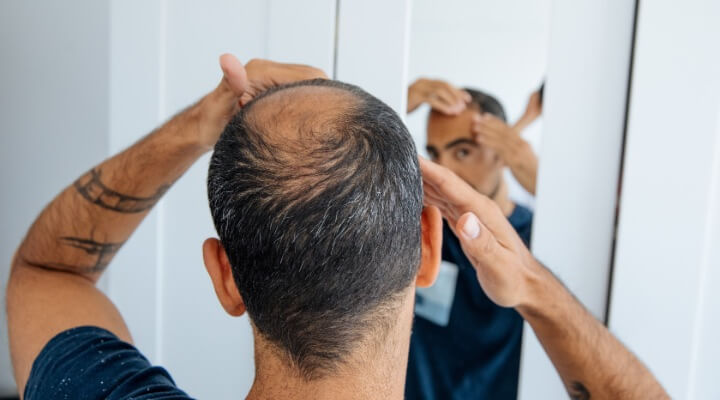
x: 440, y: 95
x: 505, y: 268
x: 239, y: 85
x: 505, y: 140
x: 514, y: 151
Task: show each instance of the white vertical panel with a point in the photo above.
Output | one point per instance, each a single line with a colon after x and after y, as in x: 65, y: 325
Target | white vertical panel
x: 706, y: 348
x: 209, y: 354
x: 666, y: 259
x: 135, y: 60
x: 302, y: 32
x: 53, y: 116
x: 584, y: 117
x: 373, y: 43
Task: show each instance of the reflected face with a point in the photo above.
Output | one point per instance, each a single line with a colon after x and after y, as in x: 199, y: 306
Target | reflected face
x: 450, y: 143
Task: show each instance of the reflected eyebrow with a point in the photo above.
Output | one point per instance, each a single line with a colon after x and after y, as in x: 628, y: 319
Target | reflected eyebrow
x: 459, y: 142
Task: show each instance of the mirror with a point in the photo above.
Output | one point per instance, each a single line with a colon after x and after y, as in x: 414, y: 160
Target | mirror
x: 476, y: 79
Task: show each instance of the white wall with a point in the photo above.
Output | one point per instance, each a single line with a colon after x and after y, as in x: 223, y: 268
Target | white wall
x: 53, y: 115
x: 498, y: 47
x: 372, y: 37
x: 585, y: 101
x: 664, y: 297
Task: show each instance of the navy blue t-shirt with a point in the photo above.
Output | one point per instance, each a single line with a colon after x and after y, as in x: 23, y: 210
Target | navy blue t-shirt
x: 88, y: 363
x: 476, y: 355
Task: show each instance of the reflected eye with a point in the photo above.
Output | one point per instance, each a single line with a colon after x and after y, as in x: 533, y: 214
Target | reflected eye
x: 462, y: 153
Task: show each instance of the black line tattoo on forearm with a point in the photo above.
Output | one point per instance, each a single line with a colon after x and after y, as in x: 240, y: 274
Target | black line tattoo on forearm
x: 93, y: 190
x: 578, y: 391
x: 103, y: 253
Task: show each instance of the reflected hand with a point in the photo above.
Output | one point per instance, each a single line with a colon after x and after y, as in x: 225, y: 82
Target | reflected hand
x: 506, y: 141
x: 239, y: 85
x: 440, y: 95
x: 505, y: 268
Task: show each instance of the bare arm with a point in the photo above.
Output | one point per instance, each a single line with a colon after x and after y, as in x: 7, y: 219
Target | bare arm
x: 71, y: 243
x: 591, y: 362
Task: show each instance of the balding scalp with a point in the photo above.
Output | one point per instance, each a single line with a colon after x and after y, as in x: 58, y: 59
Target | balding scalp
x: 316, y: 195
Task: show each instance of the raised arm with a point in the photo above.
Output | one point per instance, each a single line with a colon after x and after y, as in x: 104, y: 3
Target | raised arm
x: 591, y: 362
x: 54, y: 271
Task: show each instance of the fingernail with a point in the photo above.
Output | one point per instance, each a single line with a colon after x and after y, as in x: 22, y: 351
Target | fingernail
x: 471, y: 229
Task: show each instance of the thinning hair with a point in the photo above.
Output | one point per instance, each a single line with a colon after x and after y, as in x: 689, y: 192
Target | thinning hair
x: 486, y: 103
x: 319, y: 213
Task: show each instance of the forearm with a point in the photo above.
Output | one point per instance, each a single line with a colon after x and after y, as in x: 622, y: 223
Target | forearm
x: 525, y: 172
x: 590, y: 360
x: 86, y: 224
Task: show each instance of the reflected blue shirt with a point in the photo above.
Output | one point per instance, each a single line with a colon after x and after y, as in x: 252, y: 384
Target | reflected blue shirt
x: 477, y: 355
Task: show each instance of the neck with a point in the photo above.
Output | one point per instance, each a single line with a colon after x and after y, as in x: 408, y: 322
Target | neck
x: 373, y: 371
x: 502, y: 198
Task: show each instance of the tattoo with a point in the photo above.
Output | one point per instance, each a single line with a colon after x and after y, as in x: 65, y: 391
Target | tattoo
x: 93, y: 190
x: 578, y: 391
x: 103, y: 253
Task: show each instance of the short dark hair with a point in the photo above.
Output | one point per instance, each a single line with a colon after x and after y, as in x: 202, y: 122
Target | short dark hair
x: 323, y: 231
x: 486, y: 103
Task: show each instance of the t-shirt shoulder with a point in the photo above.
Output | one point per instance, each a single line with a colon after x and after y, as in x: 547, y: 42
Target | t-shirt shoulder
x: 88, y: 363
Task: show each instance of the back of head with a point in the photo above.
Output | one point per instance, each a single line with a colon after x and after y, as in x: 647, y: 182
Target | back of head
x: 316, y: 195
x: 486, y: 103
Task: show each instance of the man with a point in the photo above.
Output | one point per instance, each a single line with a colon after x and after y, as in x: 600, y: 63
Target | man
x: 316, y: 195
x: 463, y: 345
x: 489, y: 130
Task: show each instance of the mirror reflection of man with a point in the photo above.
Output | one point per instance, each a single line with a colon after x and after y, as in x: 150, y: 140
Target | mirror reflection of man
x: 464, y: 346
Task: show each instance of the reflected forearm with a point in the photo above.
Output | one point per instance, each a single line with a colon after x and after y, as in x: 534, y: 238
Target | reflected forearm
x: 525, y: 172
x: 85, y: 225
x: 590, y: 360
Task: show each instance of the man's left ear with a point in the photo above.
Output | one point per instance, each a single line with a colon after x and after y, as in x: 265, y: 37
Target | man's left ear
x: 220, y: 271
x: 431, y: 223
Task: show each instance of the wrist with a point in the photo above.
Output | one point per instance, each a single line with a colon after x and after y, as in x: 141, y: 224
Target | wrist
x: 540, y: 287
x: 210, y: 116
x: 415, y: 95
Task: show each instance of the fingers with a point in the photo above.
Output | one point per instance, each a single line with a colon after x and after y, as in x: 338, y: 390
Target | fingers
x: 496, y: 266
x: 264, y: 74
x: 494, y: 133
x: 448, y: 99
x: 478, y: 243
x: 444, y: 97
x: 454, y: 197
x: 234, y: 74
x: 490, y: 123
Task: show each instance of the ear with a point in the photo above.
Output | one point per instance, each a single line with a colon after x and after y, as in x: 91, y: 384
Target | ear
x: 218, y: 267
x: 431, y: 222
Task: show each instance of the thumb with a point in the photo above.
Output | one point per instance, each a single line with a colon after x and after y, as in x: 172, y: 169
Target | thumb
x: 478, y: 243
x: 234, y: 74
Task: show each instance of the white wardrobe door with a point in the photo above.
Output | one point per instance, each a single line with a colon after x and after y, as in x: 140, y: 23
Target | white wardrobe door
x: 584, y: 120
x: 664, y: 295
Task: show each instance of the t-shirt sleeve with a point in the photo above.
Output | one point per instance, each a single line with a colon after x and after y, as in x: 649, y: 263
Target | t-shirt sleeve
x: 88, y: 363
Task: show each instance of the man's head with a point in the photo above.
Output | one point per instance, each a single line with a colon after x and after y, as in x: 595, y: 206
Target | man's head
x: 451, y: 142
x: 316, y: 195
